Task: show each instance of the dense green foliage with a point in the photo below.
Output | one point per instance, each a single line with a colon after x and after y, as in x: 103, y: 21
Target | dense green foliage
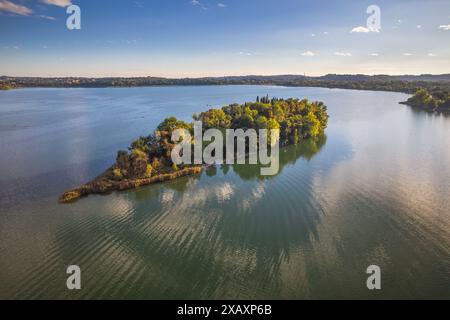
x: 296, y: 119
x: 438, y: 101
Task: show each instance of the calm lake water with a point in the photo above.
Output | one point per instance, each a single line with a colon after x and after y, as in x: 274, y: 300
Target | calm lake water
x: 376, y: 190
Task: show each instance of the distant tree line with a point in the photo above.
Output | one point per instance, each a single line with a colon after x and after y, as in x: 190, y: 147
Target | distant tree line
x: 407, y: 84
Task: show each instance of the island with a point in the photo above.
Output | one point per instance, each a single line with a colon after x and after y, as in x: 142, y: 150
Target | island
x: 148, y: 159
x: 436, y: 101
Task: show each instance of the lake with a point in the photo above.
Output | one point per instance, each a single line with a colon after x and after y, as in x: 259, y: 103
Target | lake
x: 374, y: 191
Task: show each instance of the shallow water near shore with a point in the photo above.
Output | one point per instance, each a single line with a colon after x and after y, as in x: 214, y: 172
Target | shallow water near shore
x: 375, y: 190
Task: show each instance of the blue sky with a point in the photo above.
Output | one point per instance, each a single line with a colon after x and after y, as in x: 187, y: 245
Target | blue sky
x: 192, y: 38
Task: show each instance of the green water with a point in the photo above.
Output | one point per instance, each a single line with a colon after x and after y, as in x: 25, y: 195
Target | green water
x: 375, y: 190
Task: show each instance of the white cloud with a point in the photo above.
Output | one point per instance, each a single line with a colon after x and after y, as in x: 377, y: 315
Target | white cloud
x: 431, y: 55
x: 326, y: 33
x: 308, y: 54
x: 407, y: 54
x: 138, y: 4
x: 343, y: 54
x: 221, y: 5
x: 374, y: 54
x: 242, y: 53
x: 313, y: 35
x: 59, y: 3
x: 12, y: 48
x: 11, y: 7
x: 445, y: 27
x: 360, y: 29
x: 419, y: 26
x: 46, y: 17
x: 199, y: 4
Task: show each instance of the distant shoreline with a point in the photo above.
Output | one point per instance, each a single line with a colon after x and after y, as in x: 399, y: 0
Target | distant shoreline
x: 210, y: 85
x: 406, y: 84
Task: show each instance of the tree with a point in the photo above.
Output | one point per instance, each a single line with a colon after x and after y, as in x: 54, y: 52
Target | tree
x: 215, y: 118
x: 172, y: 123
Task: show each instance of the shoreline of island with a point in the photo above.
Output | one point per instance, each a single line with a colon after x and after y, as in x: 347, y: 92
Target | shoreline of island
x: 98, y: 185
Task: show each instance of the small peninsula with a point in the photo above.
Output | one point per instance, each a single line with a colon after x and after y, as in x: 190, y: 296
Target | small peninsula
x: 148, y: 159
x: 438, y: 101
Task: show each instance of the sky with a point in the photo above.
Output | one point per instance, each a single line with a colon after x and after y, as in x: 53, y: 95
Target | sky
x: 197, y: 38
